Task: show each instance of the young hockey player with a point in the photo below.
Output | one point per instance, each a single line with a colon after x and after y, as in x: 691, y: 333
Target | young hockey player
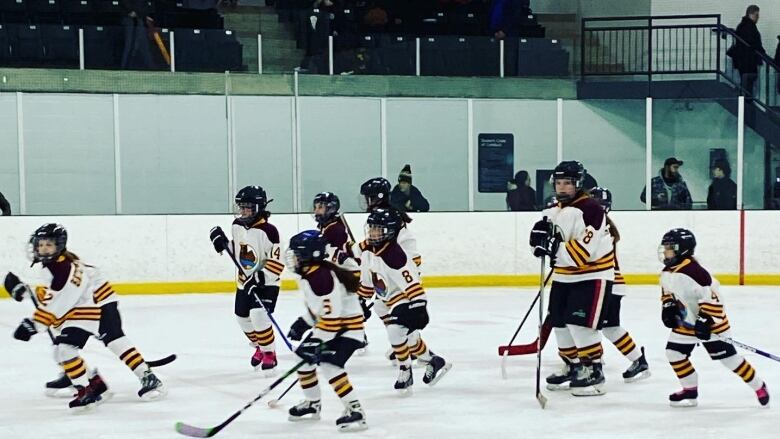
x: 388, y: 272
x: 80, y: 303
x: 334, y: 313
x: 255, y: 246
x: 612, y: 330
x: 577, y: 239
x: 692, y: 307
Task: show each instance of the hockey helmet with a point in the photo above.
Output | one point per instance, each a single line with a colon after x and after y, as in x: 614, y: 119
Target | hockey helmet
x: 603, y: 196
x: 383, y: 225
x: 375, y: 193
x: 306, y: 247
x: 571, y: 170
x: 330, y: 202
x: 51, y: 232
x: 254, y: 199
x: 681, y: 241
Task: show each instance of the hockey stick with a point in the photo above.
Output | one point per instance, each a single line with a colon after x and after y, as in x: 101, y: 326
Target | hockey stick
x: 539, y: 396
x: 274, y: 402
x: 504, y: 350
x: 530, y: 348
x: 737, y: 343
x: 192, y: 431
x: 273, y: 320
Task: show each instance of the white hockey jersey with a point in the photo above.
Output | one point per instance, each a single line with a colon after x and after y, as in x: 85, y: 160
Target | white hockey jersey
x: 330, y: 307
x: 389, y: 273
x: 339, y: 246
x: 695, y: 291
x: 257, y: 248
x: 586, y: 251
x: 619, y: 287
x: 72, y: 296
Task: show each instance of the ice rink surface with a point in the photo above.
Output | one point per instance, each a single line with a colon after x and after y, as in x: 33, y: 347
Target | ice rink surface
x: 212, y: 377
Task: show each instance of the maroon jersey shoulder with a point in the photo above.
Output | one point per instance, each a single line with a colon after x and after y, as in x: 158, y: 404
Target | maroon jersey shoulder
x: 320, y: 280
x: 269, y: 229
x: 60, y: 269
x: 335, y: 233
x: 697, y: 273
x: 393, y: 255
x: 592, y: 212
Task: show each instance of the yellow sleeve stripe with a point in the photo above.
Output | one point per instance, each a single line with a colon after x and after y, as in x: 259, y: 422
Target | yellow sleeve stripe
x: 395, y: 299
x: 578, y: 258
x: 274, y: 267
x: 417, y: 260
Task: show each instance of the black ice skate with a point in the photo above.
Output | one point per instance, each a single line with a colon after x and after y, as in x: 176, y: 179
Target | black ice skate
x: 61, y: 387
x: 404, y: 382
x: 435, y: 370
x: 353, y: 418
x: 305, y: 411
x: 86, y: 398
x: 684, y: 398
x: 638, y: 370
x: 763, y: 395
x: 588, y: 380
x: 560, y: 380
x: 151, y: 387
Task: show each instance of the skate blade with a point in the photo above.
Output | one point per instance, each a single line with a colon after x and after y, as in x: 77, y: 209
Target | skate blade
x: 596, y: 390
x: 85, y: 409
x: 268, y: 373
x: 405, y: 393
x: 304, y: 418
x: 558, y: 387
x: 443, y: 371
x: 67, y: 392
x: 638, y: 377
x: 154, y: 395
x: 352, y: 427
x: 685, y: 403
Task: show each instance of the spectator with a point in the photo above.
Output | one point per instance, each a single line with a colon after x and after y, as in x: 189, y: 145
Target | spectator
x: 5, y: 206
x: 520, y: 196
x: 668, y: 190
x: 505, y: 17
x: 407, y: 197
x: 722, y: 194
x: 745, y: 58
x: 135, y: 21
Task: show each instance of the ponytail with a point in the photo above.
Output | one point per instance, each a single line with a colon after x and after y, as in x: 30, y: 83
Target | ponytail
x: 613, y: 230
x: 346, y: 277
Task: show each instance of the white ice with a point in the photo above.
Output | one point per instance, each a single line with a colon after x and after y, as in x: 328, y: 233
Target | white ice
x: 212, y: 377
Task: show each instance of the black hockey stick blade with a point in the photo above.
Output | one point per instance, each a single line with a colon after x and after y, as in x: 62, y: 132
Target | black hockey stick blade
x: 162, y: 361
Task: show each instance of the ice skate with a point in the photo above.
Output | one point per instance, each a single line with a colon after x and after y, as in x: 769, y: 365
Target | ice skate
x: 151, y: 387
x: 62, y: 387
x: 685, y: 398
x: 588, y: 380
x: 305, y: 411
x: 435, y: 370
x: 638, y: 370
x: 353, y: 418
x: 404, y: 382
x: 268, y: 364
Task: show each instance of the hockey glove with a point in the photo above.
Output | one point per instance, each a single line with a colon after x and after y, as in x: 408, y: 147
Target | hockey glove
x: 25, y: 330
x: 310, y: 350
x: 254, y: 282
x: 218, y: 239
x: 542, y: 239
x: 366, y: 309
x: 703, y: 328
x: 15, y: 287
x: 670, y: 314
x: 298, y: 328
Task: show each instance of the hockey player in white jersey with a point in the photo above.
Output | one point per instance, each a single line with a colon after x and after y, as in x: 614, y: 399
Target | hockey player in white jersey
x: 255, y: 246
x: 388, y: 272
x: 79, y: 303
x: 612, y: 329
x: 375, y: 194
x: 575, y: 235
x: 692, y: 307
x: 335, y: 318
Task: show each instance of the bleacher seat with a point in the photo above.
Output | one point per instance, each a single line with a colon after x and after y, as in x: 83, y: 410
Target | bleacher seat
x: 102, y: 47
x: 224, y: 51
x: 109, y: 12
x: 541, y: 58
x: 397, y: 55
x: 78, y: 12
x: 5, y: 46
x: 27, y: 46
x: 44, y: 11
x: 61, y: 43
x: 190, y: 50
x: 13, y: 11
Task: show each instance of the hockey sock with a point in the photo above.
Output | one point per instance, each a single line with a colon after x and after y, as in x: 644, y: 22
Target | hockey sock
x: 133, y: 359
x: 338, y: 379
x: 566, y: 347
x: 398, y: 340
x: 309, y: 384
x: 588, y: 343
x: 745, y: 370
x: 76, y: 370
x: 246, y: 326
x: 264, y: 332
x: 568, y: 355
x: 417, y: 346
x: 683, y: 368
x: 623, y: 342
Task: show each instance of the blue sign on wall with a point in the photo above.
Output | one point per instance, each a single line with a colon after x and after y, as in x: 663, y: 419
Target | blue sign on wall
x: 496, y: 161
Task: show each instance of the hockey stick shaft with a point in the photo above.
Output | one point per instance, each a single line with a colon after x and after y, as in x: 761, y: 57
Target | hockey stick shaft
x: 543, y: 283
x: 192, y: 431
x: 539, y: 396
x: 273, y: 402
x: 271, y: 317
x: 737, y: 343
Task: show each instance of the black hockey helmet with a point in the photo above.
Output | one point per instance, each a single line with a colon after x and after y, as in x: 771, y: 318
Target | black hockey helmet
x: 55, y: 233
x: 681, y: 241
x: 603, y: 196
x: 383, y: 225
x: 306, y: 247
x: 330, y: 202
x: 571, y: 170
x: 375, y: 193
x: 254, y: 198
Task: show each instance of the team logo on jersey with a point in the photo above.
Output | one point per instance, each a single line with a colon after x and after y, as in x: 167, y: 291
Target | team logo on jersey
x: 247, y: 257
x: 379, y: 285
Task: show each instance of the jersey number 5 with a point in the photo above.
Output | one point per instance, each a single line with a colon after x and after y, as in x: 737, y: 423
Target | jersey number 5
x: 327, y: 307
